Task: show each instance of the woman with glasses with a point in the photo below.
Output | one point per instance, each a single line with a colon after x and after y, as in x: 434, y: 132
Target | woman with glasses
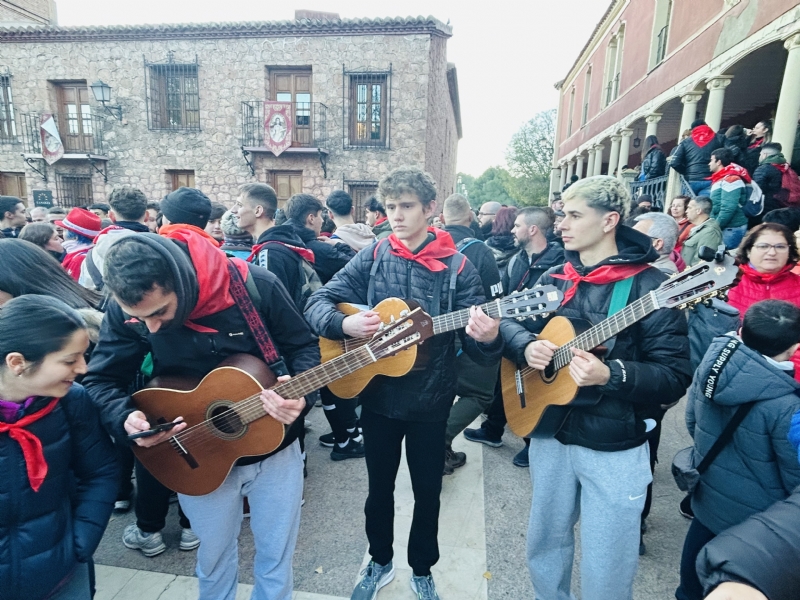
x: 767, y: 256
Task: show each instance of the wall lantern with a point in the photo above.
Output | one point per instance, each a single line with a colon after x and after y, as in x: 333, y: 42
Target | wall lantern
x: 102, y: 93
x: 637, y: 140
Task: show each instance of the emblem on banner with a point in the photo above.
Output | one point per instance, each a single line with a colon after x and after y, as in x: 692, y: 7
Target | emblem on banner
x: 277, y: 126
x: 52, y: 147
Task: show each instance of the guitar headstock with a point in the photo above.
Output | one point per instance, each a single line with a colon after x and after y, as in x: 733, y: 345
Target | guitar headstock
x: 703, y: 281
x: 410, y: 329
x: 538, y: 301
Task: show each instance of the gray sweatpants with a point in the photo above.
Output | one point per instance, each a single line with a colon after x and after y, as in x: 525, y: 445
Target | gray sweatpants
x: 274, y: 488
x: 606, y: 490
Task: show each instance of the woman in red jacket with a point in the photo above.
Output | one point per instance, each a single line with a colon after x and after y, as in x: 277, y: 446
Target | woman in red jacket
x: 767, y: 256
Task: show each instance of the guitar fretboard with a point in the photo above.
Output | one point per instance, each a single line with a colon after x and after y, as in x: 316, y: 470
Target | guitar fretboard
x: 460, y: 318
x: 605, y: 330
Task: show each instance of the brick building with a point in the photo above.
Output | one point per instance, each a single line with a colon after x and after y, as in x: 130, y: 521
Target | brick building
x: 653, y: 66
x: 367, y: 96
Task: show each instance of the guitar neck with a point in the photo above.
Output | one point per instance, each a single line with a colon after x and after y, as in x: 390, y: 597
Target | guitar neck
x: 460, y: 318
x: 605, y: 330
x: 325, y: 373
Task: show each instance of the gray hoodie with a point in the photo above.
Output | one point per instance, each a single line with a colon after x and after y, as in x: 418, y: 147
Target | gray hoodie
x: 356, y: 235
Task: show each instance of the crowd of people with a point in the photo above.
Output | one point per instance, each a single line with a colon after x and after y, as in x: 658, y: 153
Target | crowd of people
x: 115, y: 295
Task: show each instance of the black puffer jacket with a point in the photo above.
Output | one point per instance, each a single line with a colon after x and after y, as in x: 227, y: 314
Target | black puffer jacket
x: 654, y: 163
x: 422, y: 395
x: 45, y: 534
x: 737, y: 144
x: 179, y: 350
x: 504, y: 248
x: 523, y: 273
x: 654, y: 353
x: 481, y: 257
x: 328, y: 258
x: 763, y: 551
x: 691, y: 159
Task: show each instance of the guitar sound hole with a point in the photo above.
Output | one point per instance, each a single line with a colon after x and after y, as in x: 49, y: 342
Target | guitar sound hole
x: 226, y: 422
x: 549, y: 372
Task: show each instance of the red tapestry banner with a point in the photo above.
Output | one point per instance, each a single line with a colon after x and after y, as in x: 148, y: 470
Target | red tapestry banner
x: 277, y: 126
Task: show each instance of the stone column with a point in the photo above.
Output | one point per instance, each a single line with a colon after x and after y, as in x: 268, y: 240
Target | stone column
x: 614, y: 158
x: 563, y: 181
x: 570, y: 170
x: 716, y: 98
x: 555, y: 177
x: 590, y: 163
x: 652, y: 123
x: 789, y: 101
x: 598, y: 159
x: 624, y: 150
x: 579, y: 166
x: 689, y: 114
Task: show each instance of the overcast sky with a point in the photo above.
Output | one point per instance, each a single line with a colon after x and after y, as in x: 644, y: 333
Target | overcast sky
x: 508, y: 53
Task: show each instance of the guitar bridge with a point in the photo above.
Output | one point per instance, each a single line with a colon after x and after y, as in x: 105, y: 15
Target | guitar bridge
x: 185, y: 454
x: 520, y: 387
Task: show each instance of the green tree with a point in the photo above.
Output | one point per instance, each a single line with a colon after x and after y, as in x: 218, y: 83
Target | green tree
x: 493, y: 185
x: 529, y: 156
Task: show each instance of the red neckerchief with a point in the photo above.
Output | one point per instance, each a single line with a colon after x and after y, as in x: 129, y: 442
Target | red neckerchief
x: 380, y: 221
x: 429, y: 256
x: 756, y: 144
x: 31, y: 446
x: 166, y: 230
x: 731, y: 169
x: 304, y: 252
x: 750, y: 272
x: 213, y: 279
x: 600, y: 276
x: 782, y: 167
x: 702, y: 135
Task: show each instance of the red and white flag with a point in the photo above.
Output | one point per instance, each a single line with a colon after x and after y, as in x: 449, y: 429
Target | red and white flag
x: 278, y: 126
x: 52, y: 147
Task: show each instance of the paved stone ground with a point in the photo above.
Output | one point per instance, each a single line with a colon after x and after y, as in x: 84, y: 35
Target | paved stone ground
x: 332, y: 538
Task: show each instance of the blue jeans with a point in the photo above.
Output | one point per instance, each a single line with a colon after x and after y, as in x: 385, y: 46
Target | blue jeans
x: 701, y: 188
x: 274, y: 488
x: 732, y: 236
x: 697, y: 537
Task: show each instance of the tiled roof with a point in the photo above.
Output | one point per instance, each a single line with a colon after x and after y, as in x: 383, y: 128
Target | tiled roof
x: 302, y: 27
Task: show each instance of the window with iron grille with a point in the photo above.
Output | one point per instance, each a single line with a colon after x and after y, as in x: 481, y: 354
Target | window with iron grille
x: 368, y: 108
x: 8, y: 127
x: 173, y: 95
x: 73, y: 189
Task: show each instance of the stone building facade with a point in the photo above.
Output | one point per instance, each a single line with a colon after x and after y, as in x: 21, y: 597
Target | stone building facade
x: 367, y: 96
x: 651, y: 67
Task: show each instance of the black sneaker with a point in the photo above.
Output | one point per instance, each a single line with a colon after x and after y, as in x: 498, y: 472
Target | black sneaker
x: 479, y: 435
x: 685, y: 507
x: 327, y: 440
x: 352, y: 449
x: 521, y: 458
x: 453, y: 460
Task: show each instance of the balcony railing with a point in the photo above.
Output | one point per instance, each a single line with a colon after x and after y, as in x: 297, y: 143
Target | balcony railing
x: 80, y: 133
x: 661, y: 50
x: 656, y: 188
x: 310, y: 127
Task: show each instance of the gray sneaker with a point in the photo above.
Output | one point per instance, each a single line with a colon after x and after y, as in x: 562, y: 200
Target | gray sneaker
x: 424, y: 588
x: 150, y: 544
x: 373, y: 578
x: 189, y: 540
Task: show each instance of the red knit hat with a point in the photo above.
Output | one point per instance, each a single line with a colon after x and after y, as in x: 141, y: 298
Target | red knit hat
x: 82, y: 222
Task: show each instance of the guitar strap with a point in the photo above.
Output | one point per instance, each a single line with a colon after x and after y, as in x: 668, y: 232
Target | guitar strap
x: 620, y: 295
x: 255, y: 322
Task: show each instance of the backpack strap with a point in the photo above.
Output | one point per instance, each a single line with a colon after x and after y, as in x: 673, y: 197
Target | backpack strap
x: 255, y: 323
x: 381, y: 249
x: 466, y: 243
x: 455, y: 262
x: 620, y: 295
x: 94, y: 272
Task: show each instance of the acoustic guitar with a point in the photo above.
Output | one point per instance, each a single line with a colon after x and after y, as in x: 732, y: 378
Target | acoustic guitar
x: 226, y: 420
x: 534, y: 302
x: 538, y: 402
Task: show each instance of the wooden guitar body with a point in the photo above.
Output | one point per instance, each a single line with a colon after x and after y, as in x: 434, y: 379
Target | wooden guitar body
x: 393, y: 366
x: 537, y: 402
x: 198, y: 464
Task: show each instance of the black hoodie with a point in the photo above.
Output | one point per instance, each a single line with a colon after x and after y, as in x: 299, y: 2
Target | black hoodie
x: 177, y: 349
x: 328, y: 258
x: 649, y: 361
x: 283, y: 262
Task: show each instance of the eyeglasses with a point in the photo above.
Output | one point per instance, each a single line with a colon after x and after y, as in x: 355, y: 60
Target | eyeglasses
x: 483, y: 214
x: 776, y: 247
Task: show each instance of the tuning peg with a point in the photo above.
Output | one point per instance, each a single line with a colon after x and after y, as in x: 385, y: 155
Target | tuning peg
x: 520, y: 319
x: 404, y: 313
x: 392, y: 318
x: 723, y: 296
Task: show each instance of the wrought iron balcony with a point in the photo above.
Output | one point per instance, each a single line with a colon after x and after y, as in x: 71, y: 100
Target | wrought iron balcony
x: 80, y: 133
x: 309, y: 131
